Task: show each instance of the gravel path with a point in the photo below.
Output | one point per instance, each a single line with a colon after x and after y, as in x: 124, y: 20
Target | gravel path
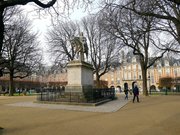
x: 154, y: 115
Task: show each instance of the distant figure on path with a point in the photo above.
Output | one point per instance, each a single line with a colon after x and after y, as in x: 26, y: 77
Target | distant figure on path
x: 136, y: 92
x: 126, y: 91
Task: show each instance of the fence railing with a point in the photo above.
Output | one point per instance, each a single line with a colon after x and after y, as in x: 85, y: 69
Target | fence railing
x: 93, y: 96
x: 165, y: 92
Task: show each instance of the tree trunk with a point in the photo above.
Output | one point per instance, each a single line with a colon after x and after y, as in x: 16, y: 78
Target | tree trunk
x: 11, y: 84
x: 1, y: 30
x: 178, y: 31
x: 144, y: 77
x: 98, y: 85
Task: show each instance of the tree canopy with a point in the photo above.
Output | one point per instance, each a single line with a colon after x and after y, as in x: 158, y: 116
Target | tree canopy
x: 10, y: 3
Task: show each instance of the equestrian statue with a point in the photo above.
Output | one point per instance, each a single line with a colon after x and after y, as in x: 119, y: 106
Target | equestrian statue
x: 80, y: 47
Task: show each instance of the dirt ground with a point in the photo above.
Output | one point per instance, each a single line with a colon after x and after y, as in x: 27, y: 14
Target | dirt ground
x: 154, y: 115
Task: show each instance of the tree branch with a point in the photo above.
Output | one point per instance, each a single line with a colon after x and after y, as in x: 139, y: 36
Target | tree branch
x: 8, y: 3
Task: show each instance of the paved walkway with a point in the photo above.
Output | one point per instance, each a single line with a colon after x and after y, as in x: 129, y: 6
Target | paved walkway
x: 111, y: 106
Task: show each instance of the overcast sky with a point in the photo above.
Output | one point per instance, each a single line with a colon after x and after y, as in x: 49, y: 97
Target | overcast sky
x: 41, y: 24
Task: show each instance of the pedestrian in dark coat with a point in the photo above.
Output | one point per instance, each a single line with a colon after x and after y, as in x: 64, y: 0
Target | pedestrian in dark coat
x: 136, y: 93
x: 126, y: 90
x: 126, y: 94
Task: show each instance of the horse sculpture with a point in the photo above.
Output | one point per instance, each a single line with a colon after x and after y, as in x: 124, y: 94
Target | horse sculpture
x: 80, y: 45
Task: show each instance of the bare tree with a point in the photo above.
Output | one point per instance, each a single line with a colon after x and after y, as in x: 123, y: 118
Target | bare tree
x: 20, y: 50
x: 166, y: 10
x: 59, y: 38
x: 175, y: 1
x: 137, y: 32
x: 104, y: 50
x: 9, y: 3
x: 61, y: 6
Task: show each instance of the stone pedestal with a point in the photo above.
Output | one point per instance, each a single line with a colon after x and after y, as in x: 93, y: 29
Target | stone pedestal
x: 80, y: 78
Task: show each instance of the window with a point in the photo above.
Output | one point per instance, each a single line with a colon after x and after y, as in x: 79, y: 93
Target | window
x: 167, y: 71
x: 175, y: 72
x: 152, y: 79
x: 129, y: 75
x: 118, y: 81
x: 129, y: 67
x: 166, y: 63
x: 134, y: 59
x: 175, y: 64
x: 159, y: 64
x: 112, y: 81
x: 159, y: 72
x: 134, y: 67
x: 118, y: 72
x: 112, y: 75
x: 125, y: 75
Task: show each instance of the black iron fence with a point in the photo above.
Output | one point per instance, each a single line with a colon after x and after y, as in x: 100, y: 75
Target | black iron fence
x: 165, y: 92
x: 59, y: 95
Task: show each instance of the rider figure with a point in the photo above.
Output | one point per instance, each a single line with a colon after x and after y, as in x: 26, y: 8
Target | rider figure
x: 80, y: 45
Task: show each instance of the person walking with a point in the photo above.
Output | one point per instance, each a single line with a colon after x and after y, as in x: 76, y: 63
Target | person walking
x: 136, y: 92
x: 126, y: 91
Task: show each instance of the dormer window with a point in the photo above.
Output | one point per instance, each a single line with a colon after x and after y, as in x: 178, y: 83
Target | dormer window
x: 134, y: 59
x: 166, y: 63
x: 175, y: 64
x: 159, y: 64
